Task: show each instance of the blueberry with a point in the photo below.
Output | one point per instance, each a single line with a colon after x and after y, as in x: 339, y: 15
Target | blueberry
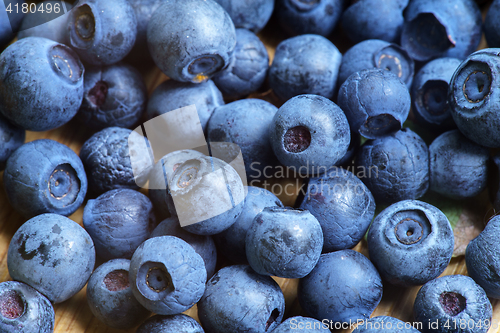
x: 309, y: 133
x: 52, y: 254
x: 301, y: 324
x: 375, y: 53
x: 375, y: 101
x: 248, y: 14
x: 385, y: 324
x: 38, y: 24
x: 306, y: 64
x: 395, y: 167
x: 249, y: 121
x: 430, y: 94
x: 11, y: 138
x: 118, y: 222
x: 106, y: 156
x: 431, y: 29
x: 102, y: 32
x: 344, y: 286
x: 410, y: 243
x: 166, y: 275
x: 45, y: 176
x: 172, y: 95
x: 10, y: 22
x: 474, y: 97
x: 483, y: 262
x: 203, y: 245
x: 110, y: 298
x: 208, y: 194
x: 159, y: 177
x: 23, y: 309
x: 284, y: 242
x: 492, y: 25
x: 143, y: 9
x: 452, y: 301
x: 458, y: 166
x: 176, y: 323
x: 114, y: 95
x: 298, y: 17
x: 372, y: 19
x: 343, y: 205
x: 237, y: 299
x: 39, y: 106
x: 191, y: 40
x: 231, y: 242
x: 248, y: 70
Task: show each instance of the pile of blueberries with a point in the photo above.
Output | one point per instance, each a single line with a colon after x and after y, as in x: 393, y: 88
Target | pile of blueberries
x: 411, y: 62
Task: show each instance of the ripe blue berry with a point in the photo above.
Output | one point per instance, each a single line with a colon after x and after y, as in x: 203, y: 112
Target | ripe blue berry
x: 343, y: 286
x: 114, y: 95
x: 102, y: 32
x: 375, y: 101
x: 166, y: 275
x: 175, y: 323
x: 118, y: 222
x: 106, y: 156
x: 110, y: 297
x: 45, y: 176
x: 52, y: 254
x: 23, y: 309
x: 410, y: 243
x: 191, y: 40
x: 284, y: 242
x: 243, y: 300
x: 306, y: 64
x: 39, y: 106
x: 450, y: 301
x: 309, y: 133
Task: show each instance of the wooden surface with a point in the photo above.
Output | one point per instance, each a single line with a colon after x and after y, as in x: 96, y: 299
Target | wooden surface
x: 74, y: 315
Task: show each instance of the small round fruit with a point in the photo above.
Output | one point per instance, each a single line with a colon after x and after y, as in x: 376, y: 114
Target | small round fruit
x: 45, y: 176
x: 164, y: 324
x: 52, y: 254
x: 116, y: 158
x: 208, y: 195
x: 375, y: 101
x: 458, y: 166
x: 474, y: 97
x: 118, y: 222
x: 166, y: 275
x: 483, y: 260
x: 102, y: 32
x: 284, y: 242
x: 410, y: 242
x: 243, y: 300
x: 110, y: 297
x: 309, y: 133
x: 306, y: 64
x: 395, y: 167
x: 343, y: 205
x: 452, y: 300
x: 191, y: 40
x: 26, y: 98
x: 344, y: 286
x: 23, y: 309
